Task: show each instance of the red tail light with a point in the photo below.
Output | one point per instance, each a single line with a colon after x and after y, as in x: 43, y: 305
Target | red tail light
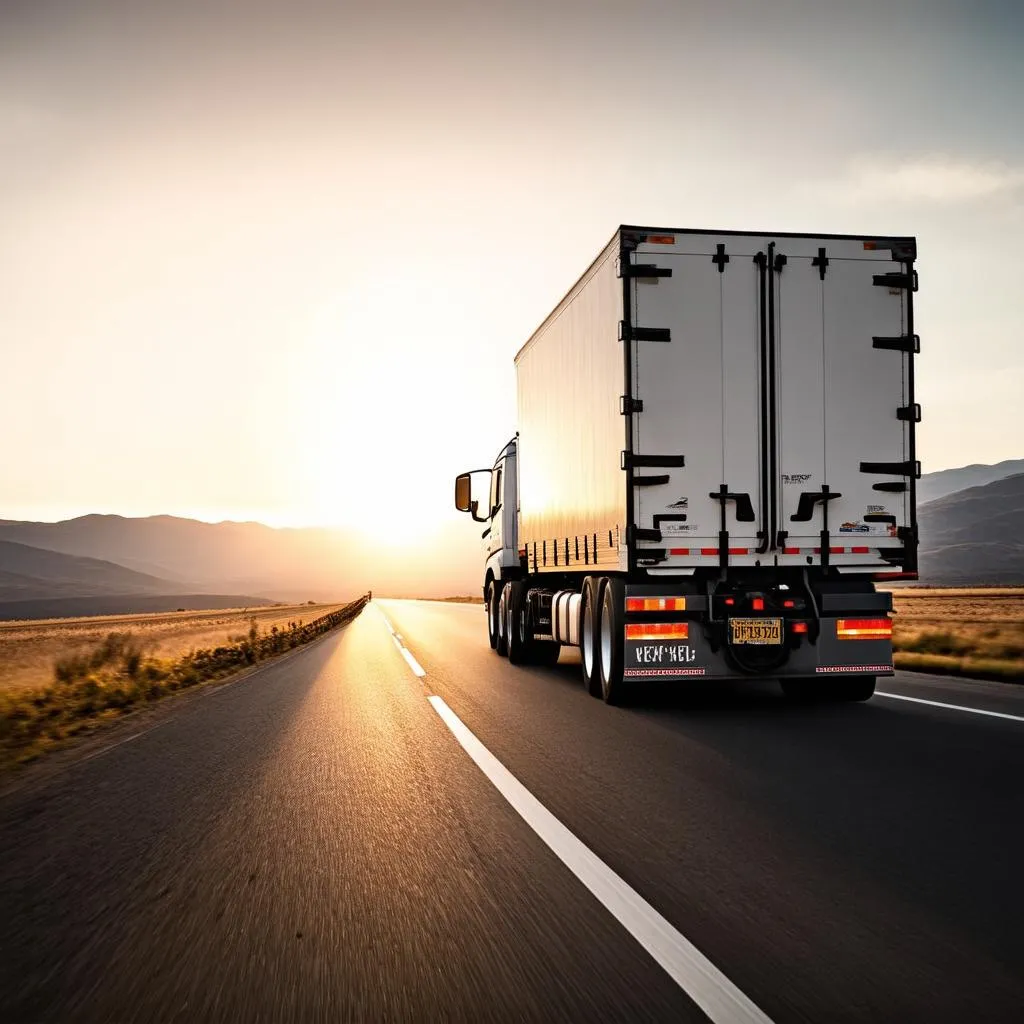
x: 758, y: 604
x: 657, y: 631
x: 864, y: 629
x: 799, y: 627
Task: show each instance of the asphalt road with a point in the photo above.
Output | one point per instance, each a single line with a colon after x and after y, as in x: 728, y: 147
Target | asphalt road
x: 338, y: 837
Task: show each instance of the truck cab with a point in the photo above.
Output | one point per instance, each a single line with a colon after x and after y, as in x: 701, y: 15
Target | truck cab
x: 491, y: 497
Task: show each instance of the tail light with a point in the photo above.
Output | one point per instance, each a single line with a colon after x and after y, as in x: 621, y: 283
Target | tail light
x: 655, y: 604
x: 657, y: 631
x: 864, y: 629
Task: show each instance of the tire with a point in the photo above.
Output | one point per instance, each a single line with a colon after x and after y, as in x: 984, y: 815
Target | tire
x: 501, y: 646
x: 518, y: 637
x: 491, y: 601
x: 611, y: 641
x: 590, y: 615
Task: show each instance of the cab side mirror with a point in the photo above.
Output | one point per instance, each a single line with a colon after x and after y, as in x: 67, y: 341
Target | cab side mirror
x: 463, y: 492
x: 464, y: 500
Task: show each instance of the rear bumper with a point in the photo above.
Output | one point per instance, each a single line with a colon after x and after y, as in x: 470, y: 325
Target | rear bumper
x: 696, y: 656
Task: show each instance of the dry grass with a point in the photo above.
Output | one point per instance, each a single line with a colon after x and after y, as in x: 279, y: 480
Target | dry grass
x: 971, y: 631
x: 90, y: 685
x: 29, y: 650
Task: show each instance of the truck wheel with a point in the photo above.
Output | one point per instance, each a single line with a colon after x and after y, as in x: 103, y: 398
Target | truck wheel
x: 519, y: 639
x: 611, y: 641
x: 501, y: 616
x: 590, y: 616
x: 853, y: 688
x: 491, y: 600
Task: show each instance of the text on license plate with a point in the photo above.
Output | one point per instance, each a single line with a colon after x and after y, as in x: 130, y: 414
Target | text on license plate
x: 755, y: 631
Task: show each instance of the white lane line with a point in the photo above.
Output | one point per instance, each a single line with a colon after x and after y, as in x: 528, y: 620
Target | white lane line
x: 114, y: 746
x: 417, y: 669
x: 951, y: 707
x: 711, y: 990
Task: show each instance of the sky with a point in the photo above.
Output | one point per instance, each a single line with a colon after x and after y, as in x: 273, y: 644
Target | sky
x: 272, y: 260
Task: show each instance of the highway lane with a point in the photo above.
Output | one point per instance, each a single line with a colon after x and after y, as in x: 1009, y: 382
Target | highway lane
x: 310, y: 844
x: 314, y: 843
x: 838, y: 863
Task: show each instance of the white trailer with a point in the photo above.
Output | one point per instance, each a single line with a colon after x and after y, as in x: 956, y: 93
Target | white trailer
x: 715, y: 462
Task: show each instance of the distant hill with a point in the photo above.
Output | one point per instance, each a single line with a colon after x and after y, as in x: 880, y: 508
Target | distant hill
x: 37, y: 583
x: 975, y: 535
x: 28, y: 573
x: 937, y: 485
x: 123, y: 604
x: 316, y: 563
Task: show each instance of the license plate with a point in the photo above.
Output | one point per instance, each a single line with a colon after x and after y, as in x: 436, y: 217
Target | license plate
x: 755, y: 631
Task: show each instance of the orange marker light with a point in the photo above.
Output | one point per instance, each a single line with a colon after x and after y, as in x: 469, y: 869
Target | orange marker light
x: 655, y: 604
x: 864, y: 629
x: 657, y: 631
x: 662, y: 239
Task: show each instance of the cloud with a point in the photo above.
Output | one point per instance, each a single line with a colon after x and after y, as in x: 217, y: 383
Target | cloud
x: 933, y: 179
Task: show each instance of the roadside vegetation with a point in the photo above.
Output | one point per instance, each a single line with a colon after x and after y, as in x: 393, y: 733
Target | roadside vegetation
x: 969, y: 632
x: 121, y: 673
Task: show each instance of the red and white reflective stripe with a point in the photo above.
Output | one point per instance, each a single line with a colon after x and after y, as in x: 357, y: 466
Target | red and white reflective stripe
x: 655, y: 604
x: 859, y: 550
x: 657, y: 631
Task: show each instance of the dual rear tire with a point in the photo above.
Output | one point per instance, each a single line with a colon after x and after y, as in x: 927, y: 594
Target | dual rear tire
x: 602, y: 628
x: 515, y: 630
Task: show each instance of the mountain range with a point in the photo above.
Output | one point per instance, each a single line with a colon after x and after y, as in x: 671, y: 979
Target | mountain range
x: 971, y: 528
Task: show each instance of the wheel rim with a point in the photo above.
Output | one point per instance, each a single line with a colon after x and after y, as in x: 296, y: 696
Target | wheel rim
x: 588, y: 639
x: 606, y: 644
x: 501, y: 615
x: 492, y: 611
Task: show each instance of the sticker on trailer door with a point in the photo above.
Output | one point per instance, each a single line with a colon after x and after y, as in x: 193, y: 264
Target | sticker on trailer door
x: 681, y: 503
x: 668, y: 529
x: 796, y: 478
x: 866, y: 529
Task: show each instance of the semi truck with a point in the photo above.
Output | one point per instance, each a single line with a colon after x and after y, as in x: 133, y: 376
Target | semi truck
x: 714, y: 465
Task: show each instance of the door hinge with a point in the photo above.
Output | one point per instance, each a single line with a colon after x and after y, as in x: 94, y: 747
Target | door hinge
x: 643, y: 270
x: 903, y: 343
x: 896, y: 279
x: 630, y: 333
x: 896, y: 468
x: 629, y: 405
x: 721, y: 257
x: 821, y: 262
x: 628, y: 460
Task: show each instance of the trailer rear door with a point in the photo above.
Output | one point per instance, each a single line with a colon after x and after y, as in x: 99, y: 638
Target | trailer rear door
x: 771, y: 400
x: 697, y: 424
x: 843, y: 381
